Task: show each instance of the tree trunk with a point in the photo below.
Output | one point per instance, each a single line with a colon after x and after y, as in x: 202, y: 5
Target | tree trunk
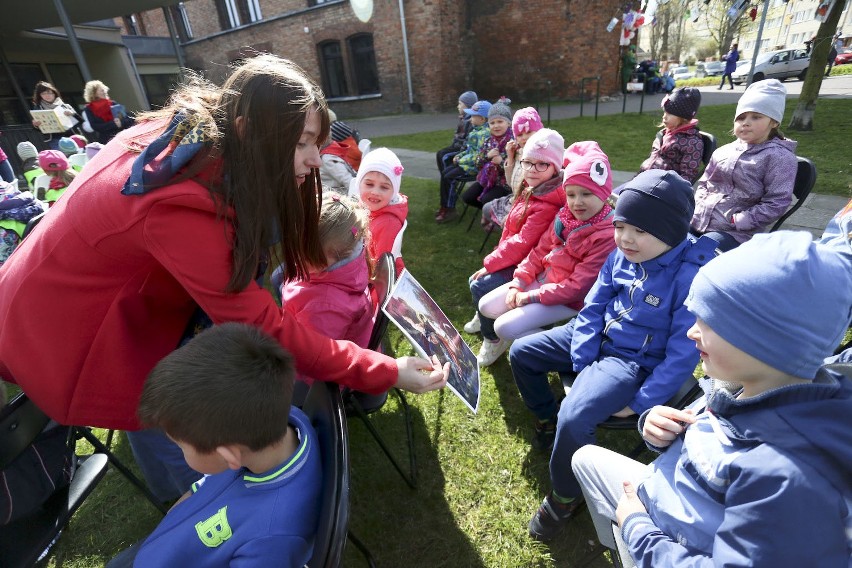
x: 803, y: 116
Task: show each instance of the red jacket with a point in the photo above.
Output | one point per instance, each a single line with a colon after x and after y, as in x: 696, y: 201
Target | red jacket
x: 385, y: 224
x: 103, y: 288
x: 567, y: 265
x: 525, y: 224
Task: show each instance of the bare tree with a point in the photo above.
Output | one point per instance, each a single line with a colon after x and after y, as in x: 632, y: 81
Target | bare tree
x: 721, y: 28
x: 667, y: 34
x: 803, y: 116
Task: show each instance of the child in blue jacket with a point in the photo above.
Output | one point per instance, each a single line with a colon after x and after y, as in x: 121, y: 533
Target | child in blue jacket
x: 224, y: 398
x: 758, y: 473
x: 628, y: 343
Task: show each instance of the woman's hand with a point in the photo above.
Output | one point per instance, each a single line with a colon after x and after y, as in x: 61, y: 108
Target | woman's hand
x: 420, y: 375
x: 478, y: 274
x: 36, y: 123
x: 628, y: 504
x: 664, y: 423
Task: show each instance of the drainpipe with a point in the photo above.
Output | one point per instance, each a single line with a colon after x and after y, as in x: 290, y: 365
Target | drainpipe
x: 411, y: 103
x: 72, y: 39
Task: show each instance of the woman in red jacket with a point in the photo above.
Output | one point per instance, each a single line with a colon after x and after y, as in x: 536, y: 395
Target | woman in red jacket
x: 174, y: 217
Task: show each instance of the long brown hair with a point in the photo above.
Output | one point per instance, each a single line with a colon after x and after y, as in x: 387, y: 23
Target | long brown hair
x: 41, y: 87
x: 258, y: 179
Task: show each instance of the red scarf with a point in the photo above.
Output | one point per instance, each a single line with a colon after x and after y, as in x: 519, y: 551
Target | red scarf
x: 570, y: 223
x: 101, y: 109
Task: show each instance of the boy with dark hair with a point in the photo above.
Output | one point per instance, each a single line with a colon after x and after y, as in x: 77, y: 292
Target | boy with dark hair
x: 758, y: 472
x: 224, y: 398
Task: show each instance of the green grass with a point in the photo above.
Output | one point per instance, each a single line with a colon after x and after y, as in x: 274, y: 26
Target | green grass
x: 626, y: 138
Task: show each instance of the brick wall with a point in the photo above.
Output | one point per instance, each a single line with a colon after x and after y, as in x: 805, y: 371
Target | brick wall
x: 495, y: 48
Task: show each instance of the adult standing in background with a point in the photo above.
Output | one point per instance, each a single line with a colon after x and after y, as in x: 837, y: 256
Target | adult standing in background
x: 103, y: 113
x: 730, y: 60
x: 47, y: 97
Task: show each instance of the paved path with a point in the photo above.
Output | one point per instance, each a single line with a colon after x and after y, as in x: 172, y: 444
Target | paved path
x: 813, y: 215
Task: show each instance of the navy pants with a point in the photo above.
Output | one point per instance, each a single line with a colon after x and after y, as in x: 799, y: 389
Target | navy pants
x: 483, y: 285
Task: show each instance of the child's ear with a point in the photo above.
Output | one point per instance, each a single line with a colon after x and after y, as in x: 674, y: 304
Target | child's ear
x: 232, y: 454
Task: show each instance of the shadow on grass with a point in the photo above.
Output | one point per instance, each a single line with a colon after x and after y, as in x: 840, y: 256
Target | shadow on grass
x: 415, y: 526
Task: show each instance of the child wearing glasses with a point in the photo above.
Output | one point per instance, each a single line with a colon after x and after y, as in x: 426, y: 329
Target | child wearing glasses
x: 552, y: 281
x: 539, y: 199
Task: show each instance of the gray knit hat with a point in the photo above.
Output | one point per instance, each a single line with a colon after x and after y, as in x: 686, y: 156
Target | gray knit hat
x: 502, y: 109
x: 767, y: 97
x: 27, y: 150
x: 468, y: 98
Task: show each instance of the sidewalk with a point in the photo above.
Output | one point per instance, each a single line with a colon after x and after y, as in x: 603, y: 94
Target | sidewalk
x: 812, y: 216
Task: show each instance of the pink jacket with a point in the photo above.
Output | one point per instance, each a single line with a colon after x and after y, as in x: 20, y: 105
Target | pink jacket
x: 567, y: 265
x: 525, y: 224
x: 385, y: 224
x: 336, y: 304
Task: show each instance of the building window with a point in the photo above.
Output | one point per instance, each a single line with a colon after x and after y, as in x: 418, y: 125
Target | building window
x: 181, y: 20
x: 364, y: 64
x: 158, y: 88
x: 349, y: 68
x: 234, y: 13
x: 333, y: 69
x: 133, y: 25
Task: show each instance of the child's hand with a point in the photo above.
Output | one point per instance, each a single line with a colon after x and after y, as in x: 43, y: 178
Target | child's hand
x: 628, y: 504
x: 511, y: 149
x: 420, y: 375
x: 624, y: 412
x: 510, y: 297
x: 479, y: 274
x: 456, y: 159
x: 664, y: 423
x: 492, y: 152
x: 498, y: 159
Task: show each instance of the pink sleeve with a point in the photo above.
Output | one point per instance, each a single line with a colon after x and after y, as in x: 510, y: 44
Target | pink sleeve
x: 531, y: 266
x: 512, y: 250
x: 572, y: 290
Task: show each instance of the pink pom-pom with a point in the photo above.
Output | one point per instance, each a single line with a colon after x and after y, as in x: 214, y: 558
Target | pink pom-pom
x: 398, y: 170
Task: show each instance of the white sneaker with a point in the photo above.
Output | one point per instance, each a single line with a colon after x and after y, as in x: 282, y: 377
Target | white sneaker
x: 491, y: 351
x: 473, y: 326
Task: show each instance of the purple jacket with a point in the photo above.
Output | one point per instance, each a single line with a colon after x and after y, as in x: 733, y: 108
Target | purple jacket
x: 730, y: 60
x: 679, y: 150
x: 745, y: 188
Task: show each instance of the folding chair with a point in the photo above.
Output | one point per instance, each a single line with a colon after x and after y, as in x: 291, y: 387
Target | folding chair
x: 324, y: 407
x: 709, y: 148
x: 362, y: 405
x: 77, y: 161
x: 458, y: 187
x: 23, y: 541
x: 806, y: 176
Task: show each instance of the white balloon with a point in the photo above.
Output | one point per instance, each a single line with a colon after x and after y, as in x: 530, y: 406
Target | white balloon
x: 363, y: 9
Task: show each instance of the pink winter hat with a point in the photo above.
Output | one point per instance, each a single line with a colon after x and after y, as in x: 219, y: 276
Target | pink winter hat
x: 52, y: 161
x: 526, y: 120
x: 545, y: 145
x: 587, y: 166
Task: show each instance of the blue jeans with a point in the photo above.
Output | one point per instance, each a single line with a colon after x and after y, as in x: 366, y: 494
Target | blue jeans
x: 726, y: 241
x: 532, y: 357
x: 600, y: 390
x: 483, y: 285
x: 6, y: 173
x: 162, y: 464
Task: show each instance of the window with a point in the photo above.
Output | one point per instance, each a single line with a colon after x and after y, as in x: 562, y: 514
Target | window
x: 158, y: 88
x: 181, y: 20
x: 364, y: 64
x: 333, y: 70
x: 234, y: 13
x: 349, y: 68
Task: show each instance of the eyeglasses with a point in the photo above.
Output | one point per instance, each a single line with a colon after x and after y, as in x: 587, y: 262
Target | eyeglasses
x: 539, y: 166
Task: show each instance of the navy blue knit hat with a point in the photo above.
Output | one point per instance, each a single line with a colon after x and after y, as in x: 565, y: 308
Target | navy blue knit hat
x: 779, y: 297
x: 683, y: 103
x: 659, y: 202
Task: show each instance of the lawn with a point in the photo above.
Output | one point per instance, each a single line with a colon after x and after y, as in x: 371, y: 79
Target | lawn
x: 626, y: 138
x: 479, y: 480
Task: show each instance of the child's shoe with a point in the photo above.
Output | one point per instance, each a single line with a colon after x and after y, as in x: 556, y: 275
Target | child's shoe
x: 551, y: 517
x: 474, y: 325
x: 544, y: 435
x: 491, y: 351
x: 448, y: 214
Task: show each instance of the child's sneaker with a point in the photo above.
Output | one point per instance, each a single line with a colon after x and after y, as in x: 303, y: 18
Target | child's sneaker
x: 551, y: 517
x: 544, y: 435
x: 491, y: 351
x: 448, y: 214
x: 474, y: 325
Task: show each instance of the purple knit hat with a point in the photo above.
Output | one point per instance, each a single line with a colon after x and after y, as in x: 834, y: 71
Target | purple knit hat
x: 526, y: 120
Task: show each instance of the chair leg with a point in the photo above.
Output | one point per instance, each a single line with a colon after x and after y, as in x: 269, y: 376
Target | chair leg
x: 109, y: 439
x: 463, y: 213
x: 100, y: 447
x: 368, y: 423
x: 485, y: 240
x: 472, y: 219
x: 362, y: 548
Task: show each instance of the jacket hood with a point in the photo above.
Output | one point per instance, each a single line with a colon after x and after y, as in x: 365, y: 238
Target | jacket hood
x: 812, y: 421
x: 771, y: 144
x: 338, y: 149
x: 352, y: 277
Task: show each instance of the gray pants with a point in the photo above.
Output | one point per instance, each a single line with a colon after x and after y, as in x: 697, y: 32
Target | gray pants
x: 601, y: 474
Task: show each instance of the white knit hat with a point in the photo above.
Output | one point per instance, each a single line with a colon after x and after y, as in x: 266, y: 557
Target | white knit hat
x: 383, y: 161
x: 545, y: 145
x: 767, y: 97
x: 27, y: 150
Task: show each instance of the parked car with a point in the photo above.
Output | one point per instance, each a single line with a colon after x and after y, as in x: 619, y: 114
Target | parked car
x: 781, y: 64
x: 844, y: 57
x: 681, y: 73
x: 709, y: 69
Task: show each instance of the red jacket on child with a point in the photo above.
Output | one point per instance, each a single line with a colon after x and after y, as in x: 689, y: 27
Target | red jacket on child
x: 385, y: 225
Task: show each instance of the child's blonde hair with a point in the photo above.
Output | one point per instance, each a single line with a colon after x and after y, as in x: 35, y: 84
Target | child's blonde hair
x: 343, y: 223
x: 67, y: 176
x: 91, y: 88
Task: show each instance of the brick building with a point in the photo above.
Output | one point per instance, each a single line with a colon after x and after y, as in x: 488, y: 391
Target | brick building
x: 496, y: 48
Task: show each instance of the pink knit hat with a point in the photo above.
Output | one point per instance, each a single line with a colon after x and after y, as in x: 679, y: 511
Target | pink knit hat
x: 52, y: 161
x: 587, y: 166
x: 545, y: 145
x: 526, y: 120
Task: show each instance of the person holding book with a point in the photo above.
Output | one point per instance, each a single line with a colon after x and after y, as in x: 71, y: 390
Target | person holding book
x: 47, y: 97
x: 106, y: 116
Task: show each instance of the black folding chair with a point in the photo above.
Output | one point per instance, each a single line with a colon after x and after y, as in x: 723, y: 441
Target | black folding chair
x: 806, y: 176
x: 23, y: 541
x: 709, y: 147
x: 360, y: 404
